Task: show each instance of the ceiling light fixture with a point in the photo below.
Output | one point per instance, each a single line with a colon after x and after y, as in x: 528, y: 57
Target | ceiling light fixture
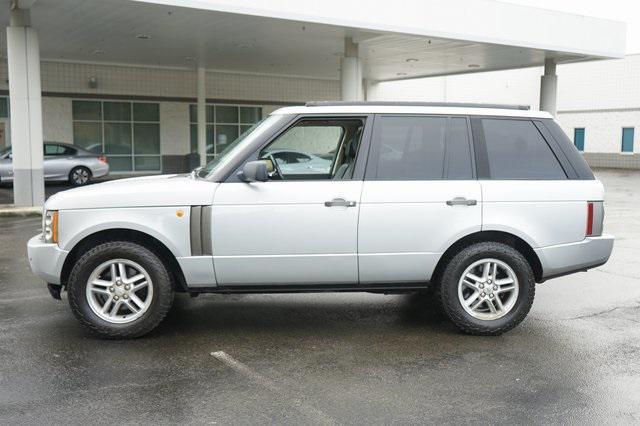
x: 411, y: 60
x: 143, y: 36
x: 401, y: 73
x: 473, y: 66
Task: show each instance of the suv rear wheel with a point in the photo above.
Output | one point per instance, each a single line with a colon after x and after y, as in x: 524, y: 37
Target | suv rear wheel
x: 120, y: 289
x: 487, y: 288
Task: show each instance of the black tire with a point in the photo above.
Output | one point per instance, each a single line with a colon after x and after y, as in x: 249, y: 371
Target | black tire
x: 447, y: 288
x: 82, y: 171
x: 161, y: 281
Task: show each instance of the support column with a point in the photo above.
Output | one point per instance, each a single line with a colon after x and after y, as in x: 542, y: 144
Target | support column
x: 202, y: 116
x: 351, y: 73
x: 25, y: 99
x: 549, y: 87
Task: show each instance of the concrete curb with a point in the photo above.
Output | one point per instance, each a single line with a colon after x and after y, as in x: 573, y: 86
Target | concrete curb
x: 11, y: 211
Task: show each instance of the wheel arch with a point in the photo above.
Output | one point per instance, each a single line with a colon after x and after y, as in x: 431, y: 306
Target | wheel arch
x: 131, y: 235
x: 496, y: 236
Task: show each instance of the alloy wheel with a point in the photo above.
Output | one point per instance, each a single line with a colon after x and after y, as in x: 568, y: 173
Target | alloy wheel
x: 119, y: 291
x: 488, y: 289
x: 80, y: 176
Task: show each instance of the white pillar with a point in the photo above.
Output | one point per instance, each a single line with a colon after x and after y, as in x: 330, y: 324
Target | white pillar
x: 351, y: 73
x: 25, y: 99
x: 202, y: 116
x: 549, y: 87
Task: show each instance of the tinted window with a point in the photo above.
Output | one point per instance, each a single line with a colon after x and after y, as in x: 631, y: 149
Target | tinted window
x: 516, y: 150
x: 53, y: 150
x: 458, y: 151
x: 409, y: 148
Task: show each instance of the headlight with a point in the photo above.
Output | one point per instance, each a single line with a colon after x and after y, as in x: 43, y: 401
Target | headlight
x: 50, y: 227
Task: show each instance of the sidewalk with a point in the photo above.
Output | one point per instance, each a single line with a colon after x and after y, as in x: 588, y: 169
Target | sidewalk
x: 8, y: 210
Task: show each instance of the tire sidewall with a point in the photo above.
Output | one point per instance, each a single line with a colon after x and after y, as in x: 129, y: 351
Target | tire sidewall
x: 162, y: 289
x: 504, y: 253
x: 73, y: 182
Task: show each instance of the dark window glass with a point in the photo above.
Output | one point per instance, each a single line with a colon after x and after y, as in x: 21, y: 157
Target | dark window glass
x: 4, y: 107
x: 578, y: 138
x: 146, y: 138
x: 410, y: 148
x: 250, y: 114
x: 88, y: 136
x: 87, y: 110
x: 458, y: 151
x: 120, y: 163
x: 516, y: 150
x: 146, y: 112
x: 117, y: 111
x: 627, y: 139
x: 117, y: 138
x: 226, y: 114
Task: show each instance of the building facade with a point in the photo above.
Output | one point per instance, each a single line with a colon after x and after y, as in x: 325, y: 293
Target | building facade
x: 598, y: 102
x: 144, y: 118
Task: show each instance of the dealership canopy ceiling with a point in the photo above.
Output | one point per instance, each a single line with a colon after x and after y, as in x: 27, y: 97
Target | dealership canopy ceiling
x: 397, y: 39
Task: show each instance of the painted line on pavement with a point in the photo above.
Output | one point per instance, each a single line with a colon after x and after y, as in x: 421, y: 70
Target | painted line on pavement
x: 272, y: 387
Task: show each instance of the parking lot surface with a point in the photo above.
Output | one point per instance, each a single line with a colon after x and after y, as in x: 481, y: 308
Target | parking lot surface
x: 332, y: 358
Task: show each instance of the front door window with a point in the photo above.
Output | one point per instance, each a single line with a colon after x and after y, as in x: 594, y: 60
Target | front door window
x: 315, y: 149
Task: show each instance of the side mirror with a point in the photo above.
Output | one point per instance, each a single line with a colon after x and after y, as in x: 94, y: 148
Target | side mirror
x: 254, y: 171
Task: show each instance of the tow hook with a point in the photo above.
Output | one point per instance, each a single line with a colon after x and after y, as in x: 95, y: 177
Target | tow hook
x: 54, y: 290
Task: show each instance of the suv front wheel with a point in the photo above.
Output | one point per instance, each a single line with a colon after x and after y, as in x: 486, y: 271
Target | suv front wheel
x: 487, y: 288
x: 120, y: 289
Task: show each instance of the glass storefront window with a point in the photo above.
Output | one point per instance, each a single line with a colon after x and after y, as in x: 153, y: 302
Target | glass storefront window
x: 127, y: 132
x: 224, y: 124
x: 4, y: 107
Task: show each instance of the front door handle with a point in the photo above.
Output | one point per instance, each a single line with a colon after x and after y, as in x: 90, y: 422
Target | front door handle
x: 461, y: 201
x: 339, y: 202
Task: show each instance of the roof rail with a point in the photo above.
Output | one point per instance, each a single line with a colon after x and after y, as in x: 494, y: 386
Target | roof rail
x: 417, y: 104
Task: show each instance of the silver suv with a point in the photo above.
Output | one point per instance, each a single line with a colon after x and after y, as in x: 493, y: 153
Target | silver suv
x: 476, y: 204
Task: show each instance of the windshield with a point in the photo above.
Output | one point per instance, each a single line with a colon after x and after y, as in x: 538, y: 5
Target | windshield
x: 5, y: 151
x: 228, y: 153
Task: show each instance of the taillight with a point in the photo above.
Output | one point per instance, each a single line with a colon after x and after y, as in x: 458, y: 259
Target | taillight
x: 102, y: 159
x: 589, y: 219
x: 595, y: 218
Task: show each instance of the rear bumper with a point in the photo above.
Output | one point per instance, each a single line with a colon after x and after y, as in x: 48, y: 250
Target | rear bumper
x: 565, y: 259
x: 46, y: 260
x: 100, y: 170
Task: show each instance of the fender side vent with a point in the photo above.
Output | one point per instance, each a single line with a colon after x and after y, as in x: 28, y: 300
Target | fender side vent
x: 195, y: 230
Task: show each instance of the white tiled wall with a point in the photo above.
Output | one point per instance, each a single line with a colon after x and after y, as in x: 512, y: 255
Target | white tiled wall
x: 65, y: 77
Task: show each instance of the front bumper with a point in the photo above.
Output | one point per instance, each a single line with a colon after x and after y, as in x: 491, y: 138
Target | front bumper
x: 573, y: 257
x: 45, y: 259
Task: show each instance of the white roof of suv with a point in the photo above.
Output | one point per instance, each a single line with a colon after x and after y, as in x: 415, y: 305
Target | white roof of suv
x: 413, y: 108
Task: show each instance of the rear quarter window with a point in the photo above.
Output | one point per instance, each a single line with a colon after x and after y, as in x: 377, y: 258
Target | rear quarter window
x: 517, y: 150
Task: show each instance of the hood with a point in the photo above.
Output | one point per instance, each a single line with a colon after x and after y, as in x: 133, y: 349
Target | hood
x: 148, y: 191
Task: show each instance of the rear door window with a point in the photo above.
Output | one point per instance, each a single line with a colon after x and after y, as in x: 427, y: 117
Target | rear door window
x: 420, y: 148
x: 408, y: 148
x: 517, y: 150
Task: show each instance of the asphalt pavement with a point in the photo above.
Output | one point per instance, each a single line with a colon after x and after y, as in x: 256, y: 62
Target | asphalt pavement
x: 332, y: 358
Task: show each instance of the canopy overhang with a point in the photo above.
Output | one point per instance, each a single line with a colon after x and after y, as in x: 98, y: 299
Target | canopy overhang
x: 397, y: 40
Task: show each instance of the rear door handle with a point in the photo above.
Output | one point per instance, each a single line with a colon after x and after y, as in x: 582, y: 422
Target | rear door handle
x: 339, y: 202
x: 461, y: 201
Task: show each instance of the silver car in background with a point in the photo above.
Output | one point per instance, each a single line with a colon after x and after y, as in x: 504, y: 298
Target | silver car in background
x: 62, y: 162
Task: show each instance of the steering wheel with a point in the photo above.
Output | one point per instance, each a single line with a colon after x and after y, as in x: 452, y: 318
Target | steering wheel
x: 276, y: 167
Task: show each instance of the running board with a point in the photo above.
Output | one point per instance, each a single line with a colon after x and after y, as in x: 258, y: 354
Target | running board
x: 332, y: 288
